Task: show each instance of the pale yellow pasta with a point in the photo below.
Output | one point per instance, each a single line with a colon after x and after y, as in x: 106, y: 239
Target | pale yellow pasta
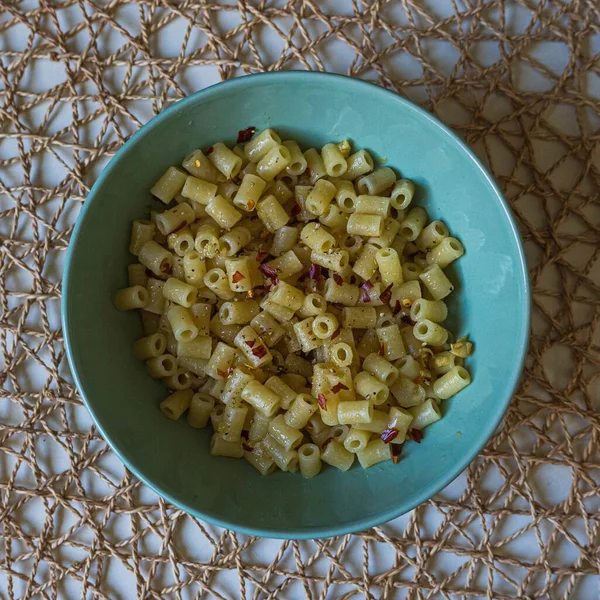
x: 288, y: 437
x: 273, y: 163
x: 142, y: 231
x: 315, y: 165
x: 270, y: 330
x: 359, y: 163
x: 317, y: 237
x: 410, y: 272
x: 372, y: 205
x: 259, y: 427
x: 228, y: 189
x: 233, y: 241
x: 366, y: 265
x: 206, y: 241
x: 309, y: 458
x: 433, y: 310
x: 280, y: 190
x: 252, y: 346
x: 236, y: 381
x: 400, y: 420
x: 325, y: 325
x: 286, y: 460
x: 390, y: 339
x: 220, y: 361
x: 320, y: 197
x: 278, y: 312
x: 225, y: 160
x: 199, y: 190
x: 297, y: 164
x: 436, y: 282
x: 284, y: 239
x: 238, y: 313
x: 449, y: 384
x: 201, y: 313
x: 194, y: 269
x: 260, y: 144
x: 306, y: 336
x: 286, y: 393
x: 425, y: 414
x: 216, y: 280
x: 378, y: 424
x: 175, y: 217
x: 169, y: 185
x: 355, y: 412
x: 300, y: 411
x: 221, y: 447
x: 380, y: 368
x: 199, y: 411
x: 136, y: 275
x: 371, y: 388
x: 199, y: 347
x: 345, y: 196
x: 232, y: 424
x: 333, y: 160
x: 216, y: 416
x: 131, y: 298
x: 402, y: 194
x: 223, y: 212
x: 180, y: 380
x: 286, y: 265
x: 271, y: 213
x: 352, y: 244
x: 287, y: 295
x: 176, y: 404
x: 179, y: 292
x: 182, y: 323
x: 431, y: 236
x: 447, y: 251
x: 150, y: 346
x: 388, y: 262
x: 337, y: 261
x: 365, y: 225
x: 357, y: 439
x: 261, y: 398
x: 413, y: 223
x: 375, y: 452
x: 198, y: 164
x: 260, y: 460
x: 389, y: 234
x: 376, y: 182
x: 406, y: 293
x: 337, y: 456
x: 161, y: 366
x: 341, y: 293
x: 409, y: 367
x: 341, y: 354
x: 239, y: 274
x: 359, y: 317
x: 314, y: 304
x: 407, y: 393
x: 156, y: 258
x: 249, y: 192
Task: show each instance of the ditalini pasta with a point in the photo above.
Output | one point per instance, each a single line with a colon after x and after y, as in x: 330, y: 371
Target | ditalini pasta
x: 295, y: 301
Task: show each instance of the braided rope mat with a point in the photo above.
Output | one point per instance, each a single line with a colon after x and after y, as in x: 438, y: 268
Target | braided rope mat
x: 519, y: 79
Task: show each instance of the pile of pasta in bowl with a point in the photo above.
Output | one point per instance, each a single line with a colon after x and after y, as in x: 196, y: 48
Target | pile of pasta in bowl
x: 294, y: 302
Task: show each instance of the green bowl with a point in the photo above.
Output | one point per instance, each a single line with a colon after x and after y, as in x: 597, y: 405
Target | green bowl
x: 491, y: 304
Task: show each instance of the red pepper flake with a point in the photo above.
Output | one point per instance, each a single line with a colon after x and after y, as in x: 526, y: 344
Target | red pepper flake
x: 247, y: 448
x: 165, y: 268
x: 416, y: 435
x: 308, y: 172
x: 209, y: 151
x: 398, y: 307
x: 264, y: 234
x: 222, y: 373
x: 315, y: 272
x: 365, y: 297
x: 396, y: 450
x: 406, y: 319
x: 322, y: 401
x: 338, y: 279
x: 386, y: 295
x: 249, y: 343
x: 245, y: 434
x: 338, y: 387
x: 367, y: 285
x: 259, y: 351
x: 237, y: 277
x: 381, y: 349
x: 260, y: 256
x: 389, y: 434
x: 296, y: 209
x: 245, y: 135
x: 269, y: 272
x: 329, y: 439
x: 336, y: 333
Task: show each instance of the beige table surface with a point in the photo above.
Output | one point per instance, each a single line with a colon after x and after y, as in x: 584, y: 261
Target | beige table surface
x: 519, y: 79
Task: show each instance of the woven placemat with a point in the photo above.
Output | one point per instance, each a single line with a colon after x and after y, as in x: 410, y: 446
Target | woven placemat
x: 520, y: 80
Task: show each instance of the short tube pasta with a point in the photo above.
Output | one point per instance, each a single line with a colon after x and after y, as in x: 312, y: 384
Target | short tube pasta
x: 452, y: 382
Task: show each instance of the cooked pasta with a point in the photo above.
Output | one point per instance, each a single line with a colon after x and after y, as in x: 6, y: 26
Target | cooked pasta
x: 295, y: 302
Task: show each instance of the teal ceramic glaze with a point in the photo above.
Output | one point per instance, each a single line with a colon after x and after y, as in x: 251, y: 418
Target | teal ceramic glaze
x: 491, y: 304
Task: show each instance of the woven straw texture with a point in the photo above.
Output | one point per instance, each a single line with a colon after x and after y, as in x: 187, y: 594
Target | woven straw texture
x: 519, y: 80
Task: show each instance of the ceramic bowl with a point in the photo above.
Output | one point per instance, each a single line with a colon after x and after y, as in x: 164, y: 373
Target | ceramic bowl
x: 490, y: 304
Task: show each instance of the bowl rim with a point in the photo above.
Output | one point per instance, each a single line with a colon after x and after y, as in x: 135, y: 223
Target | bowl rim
x: 426, y: 493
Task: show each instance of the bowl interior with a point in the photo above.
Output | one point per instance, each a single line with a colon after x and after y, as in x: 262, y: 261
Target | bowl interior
x: 490, y: 304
